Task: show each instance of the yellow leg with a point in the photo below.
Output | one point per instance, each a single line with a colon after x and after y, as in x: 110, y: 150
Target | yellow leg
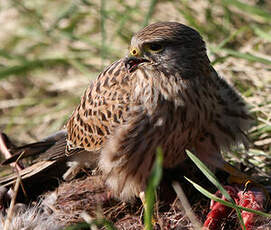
x: 143, y: 199
x: 210, y: 154
x: 240, y: 178
x: 236, y: 176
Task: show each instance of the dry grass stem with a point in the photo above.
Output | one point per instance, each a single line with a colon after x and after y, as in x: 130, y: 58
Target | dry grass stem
x: 186, y: 206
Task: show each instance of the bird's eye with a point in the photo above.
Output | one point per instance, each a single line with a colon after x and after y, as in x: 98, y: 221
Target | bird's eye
x: 154, y: 47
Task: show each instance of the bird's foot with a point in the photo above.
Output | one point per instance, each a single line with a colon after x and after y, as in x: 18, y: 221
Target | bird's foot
x: 243, y: 180
x: 257, y: 187
x: 74, y: 169
x: 248, y: 198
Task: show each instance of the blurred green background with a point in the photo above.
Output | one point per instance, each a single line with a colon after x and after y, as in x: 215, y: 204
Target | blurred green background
x: 50, y: 50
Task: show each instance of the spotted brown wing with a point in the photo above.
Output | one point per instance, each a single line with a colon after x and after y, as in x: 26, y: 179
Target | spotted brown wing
x: 103, y: 107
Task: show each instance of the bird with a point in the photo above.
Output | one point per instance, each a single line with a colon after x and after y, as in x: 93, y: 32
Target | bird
x: 164, y: 92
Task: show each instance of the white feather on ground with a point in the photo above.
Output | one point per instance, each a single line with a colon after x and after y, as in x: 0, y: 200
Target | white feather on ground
x: 38, y: 217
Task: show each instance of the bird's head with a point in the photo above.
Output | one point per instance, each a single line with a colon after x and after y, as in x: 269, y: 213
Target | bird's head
x: 169, y: 47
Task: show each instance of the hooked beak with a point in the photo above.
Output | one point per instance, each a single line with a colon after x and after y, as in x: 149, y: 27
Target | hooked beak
x: 131, y: 63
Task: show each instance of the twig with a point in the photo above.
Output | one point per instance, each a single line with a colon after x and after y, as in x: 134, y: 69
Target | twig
x: 7, y: 154
x: 12, y: 204
x: 186, y: 206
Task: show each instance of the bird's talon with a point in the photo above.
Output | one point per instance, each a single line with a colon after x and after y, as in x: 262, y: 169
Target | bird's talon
x: 252, y: 185
x: 246, y: 185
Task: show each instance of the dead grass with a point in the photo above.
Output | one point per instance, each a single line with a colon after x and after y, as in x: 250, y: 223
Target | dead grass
x: 50, y: 50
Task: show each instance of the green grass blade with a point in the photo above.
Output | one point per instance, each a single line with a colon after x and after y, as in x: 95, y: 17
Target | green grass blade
x: 80, y: 66
x: 153, y: 182
x: 150, y: 12
x: 79, y: 226
x: 103, y: 31
x: 63, y: 14
x: 249, y: 9
x: 5, y: 54
x: 188, y: 15
x: 103, y: 223
x: 262, y: 34
x: 211, y: 177
x: 158, y: 168
x: 246, y: 56
x: 232, y: 36
x: 30, y: 65
x: 226, y: 203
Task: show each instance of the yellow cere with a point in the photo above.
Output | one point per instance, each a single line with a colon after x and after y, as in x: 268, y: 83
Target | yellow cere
x: 134, y: 51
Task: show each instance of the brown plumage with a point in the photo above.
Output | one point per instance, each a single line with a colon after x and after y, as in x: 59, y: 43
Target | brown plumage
x: 164, y: 93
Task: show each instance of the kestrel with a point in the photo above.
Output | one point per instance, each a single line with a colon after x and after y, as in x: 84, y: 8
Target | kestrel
x: 163, y: 93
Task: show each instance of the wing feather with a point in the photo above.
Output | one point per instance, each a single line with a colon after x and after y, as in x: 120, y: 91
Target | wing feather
x: 103, y: 108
